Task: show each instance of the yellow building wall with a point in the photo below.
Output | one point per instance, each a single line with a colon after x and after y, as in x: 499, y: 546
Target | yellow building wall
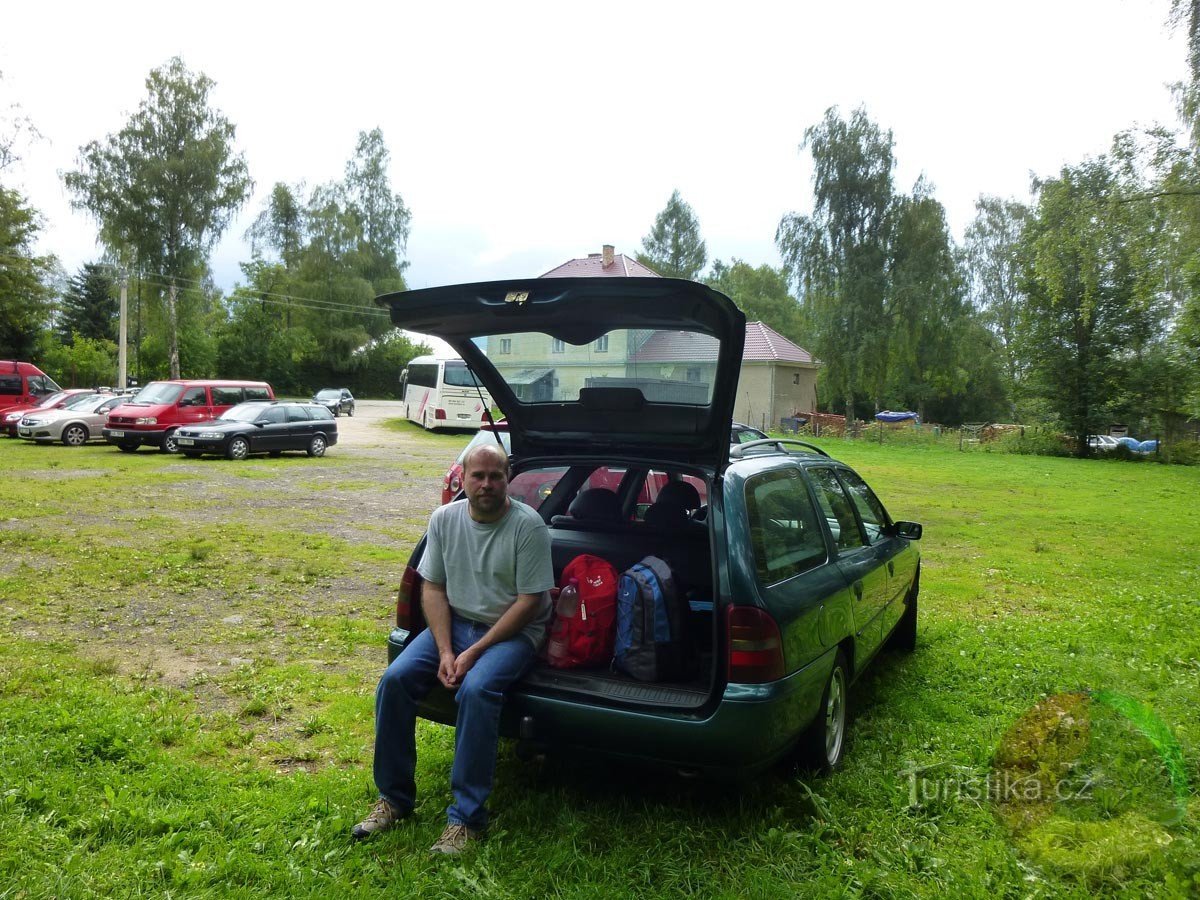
x: 768, y: 392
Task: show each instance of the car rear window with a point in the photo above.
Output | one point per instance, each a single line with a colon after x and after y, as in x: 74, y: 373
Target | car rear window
x: 676, y: 367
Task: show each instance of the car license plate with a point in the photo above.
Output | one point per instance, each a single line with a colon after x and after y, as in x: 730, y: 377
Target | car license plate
x: 185, y: 442
x: 116, y: 434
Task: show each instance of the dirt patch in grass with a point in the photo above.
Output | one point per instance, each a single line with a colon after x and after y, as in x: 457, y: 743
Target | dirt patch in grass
x: 192, y: 582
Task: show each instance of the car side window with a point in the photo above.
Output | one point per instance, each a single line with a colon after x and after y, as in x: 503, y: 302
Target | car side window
x: 870, y: 510
x: 784, y: 530
x: 319, y: 413
x: 193, y: 397
x: 274, y: 415
x: 837, y: 508
x: 226, y: 396
x: 297, y: 414
x: 10, y: 385
x: 256, y: 393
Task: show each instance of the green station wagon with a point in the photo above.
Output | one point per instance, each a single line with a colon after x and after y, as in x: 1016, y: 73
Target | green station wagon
x: 794, y: 574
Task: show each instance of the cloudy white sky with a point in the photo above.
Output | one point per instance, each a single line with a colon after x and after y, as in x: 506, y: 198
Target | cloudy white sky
x: 524, y: 134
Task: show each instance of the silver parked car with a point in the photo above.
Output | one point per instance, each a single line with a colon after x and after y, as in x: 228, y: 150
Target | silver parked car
x: 74, y: 425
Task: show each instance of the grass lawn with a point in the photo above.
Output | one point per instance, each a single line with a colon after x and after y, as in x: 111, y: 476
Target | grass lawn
x: 188, y: 654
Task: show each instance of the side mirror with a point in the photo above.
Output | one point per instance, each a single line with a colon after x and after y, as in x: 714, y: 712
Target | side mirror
x: 908, y: 530
x: 259, y: 423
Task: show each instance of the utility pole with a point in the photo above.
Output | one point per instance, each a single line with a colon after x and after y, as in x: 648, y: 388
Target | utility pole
x: 122, y: 331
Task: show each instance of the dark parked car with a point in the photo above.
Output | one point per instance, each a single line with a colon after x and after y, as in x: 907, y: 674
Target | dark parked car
x: 743, y: 434
x: 794, y: 574
x: 336, y: 400
x: 262, y: 428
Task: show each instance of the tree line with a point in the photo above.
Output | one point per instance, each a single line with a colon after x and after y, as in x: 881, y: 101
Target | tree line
x: 1079, y: 309
x: 1078, y: 306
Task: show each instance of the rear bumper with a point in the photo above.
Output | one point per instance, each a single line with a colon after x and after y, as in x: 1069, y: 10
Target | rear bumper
x: 746, y: 730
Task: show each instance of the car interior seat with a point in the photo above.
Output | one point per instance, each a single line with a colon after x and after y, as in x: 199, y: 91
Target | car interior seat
x: 593, y: 509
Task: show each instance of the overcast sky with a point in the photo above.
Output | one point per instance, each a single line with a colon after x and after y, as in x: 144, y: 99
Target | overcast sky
x: 525, y: 134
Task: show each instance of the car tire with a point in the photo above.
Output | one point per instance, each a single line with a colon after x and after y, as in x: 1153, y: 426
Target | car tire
x: 350, y: 412
x: 316, y: 447
x: 824, y: 743
x: 904, y: 635
x: 128, y: 448
x: 75, y: 435
x: 337, y: 411
x: 169, y: 444
x: 237, y: 448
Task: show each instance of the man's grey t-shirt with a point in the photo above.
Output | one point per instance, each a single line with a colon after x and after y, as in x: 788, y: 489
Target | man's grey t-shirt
x: 485, y: 566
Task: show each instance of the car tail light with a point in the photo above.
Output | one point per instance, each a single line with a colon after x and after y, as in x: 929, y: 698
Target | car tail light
x: 439, y: 413
x: 405, y: 598
x: 755, y: 647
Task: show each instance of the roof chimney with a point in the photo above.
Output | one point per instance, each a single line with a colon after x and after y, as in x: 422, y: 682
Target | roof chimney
x: 607, y: 256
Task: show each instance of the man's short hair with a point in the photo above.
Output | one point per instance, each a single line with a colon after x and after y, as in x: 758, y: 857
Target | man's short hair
x: 493, y: 448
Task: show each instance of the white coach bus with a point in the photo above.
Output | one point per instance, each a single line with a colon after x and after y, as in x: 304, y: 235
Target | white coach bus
x: 440, y: 392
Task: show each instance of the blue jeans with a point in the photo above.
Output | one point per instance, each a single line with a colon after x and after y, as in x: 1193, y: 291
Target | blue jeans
x: 408, y: 680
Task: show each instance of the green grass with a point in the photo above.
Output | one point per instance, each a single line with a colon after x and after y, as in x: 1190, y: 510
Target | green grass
x: 186, y: 698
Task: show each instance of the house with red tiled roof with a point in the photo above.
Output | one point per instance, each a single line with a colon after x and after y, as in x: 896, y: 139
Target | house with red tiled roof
x: 778, y: 378
x: 606, y: 264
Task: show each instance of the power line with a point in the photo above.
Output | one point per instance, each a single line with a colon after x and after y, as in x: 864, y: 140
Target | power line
x: 310, y: 303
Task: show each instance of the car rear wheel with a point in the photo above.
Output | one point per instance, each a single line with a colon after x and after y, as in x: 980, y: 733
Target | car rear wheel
x: 823, y: 743
x: 75, y: 435
x: 316, y: 447
x: 128, y: 448
x: 239, y: 448
x: 169, y: 444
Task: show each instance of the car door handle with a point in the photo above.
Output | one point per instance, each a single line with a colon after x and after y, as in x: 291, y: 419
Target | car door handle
x: 858, y: 589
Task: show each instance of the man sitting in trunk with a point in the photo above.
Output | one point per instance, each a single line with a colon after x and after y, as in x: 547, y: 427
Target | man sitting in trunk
x: 487, y: 569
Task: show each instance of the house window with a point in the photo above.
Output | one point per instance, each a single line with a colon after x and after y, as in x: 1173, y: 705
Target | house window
x: 602, y: 344
x: 557, y: 346
x: 506, y: 345
x: 795, y: 378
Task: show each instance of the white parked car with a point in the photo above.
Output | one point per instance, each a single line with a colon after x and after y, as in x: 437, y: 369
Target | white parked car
x: 74, y: 425
x: 1103, y: 443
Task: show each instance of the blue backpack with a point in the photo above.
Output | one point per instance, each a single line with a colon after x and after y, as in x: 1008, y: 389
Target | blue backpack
x: 650, y: 642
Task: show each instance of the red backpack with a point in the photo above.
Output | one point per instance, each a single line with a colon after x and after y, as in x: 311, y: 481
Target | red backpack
x: 585, y: 619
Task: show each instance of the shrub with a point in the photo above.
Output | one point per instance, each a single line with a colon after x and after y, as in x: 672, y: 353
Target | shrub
x: 1031, y: 439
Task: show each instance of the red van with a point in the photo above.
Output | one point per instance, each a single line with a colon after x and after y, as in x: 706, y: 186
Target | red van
x: 159, y: 408
x: 23, y: 385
